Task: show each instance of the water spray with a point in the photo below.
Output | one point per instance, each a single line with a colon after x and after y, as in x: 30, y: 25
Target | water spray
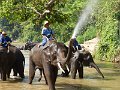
x: 83, y: 19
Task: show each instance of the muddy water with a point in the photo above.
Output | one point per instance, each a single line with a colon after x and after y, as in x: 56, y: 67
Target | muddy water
x: 92, y: 80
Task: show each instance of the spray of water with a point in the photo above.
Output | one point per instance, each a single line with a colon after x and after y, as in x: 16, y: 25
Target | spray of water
x: 84, y: 17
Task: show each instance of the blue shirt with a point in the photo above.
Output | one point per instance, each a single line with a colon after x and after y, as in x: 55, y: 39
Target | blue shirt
x: 4, y: 40
x: 47, y: 32
x: 76, y: 44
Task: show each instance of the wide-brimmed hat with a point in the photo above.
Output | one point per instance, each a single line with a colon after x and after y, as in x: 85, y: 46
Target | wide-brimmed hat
x: 4, y: 33
x: 46, y: 22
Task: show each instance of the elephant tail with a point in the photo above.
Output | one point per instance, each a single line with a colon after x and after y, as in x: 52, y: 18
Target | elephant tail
x: 97, y: 68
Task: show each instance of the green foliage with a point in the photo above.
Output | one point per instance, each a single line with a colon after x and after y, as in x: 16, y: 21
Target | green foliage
x: 107, y: 29
x: 29, y: 33
x: 87, y: 34
x: 19, y: 18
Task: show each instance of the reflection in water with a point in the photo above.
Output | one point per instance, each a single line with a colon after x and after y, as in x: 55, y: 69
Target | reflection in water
x: 92, y: 80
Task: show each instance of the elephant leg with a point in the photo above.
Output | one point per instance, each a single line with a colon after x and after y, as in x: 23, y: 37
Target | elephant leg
x: 48, y: 74
x: 3, y: 74
x: 31, y: 71
x: 80, y: 71
x: 45, y: 78
x: 54, y: 75
x: 92, y: 64
x: 0, y: 72
x: 8, y: 73
x: 73, y: 70
x: 21, y: 70
x: 14, y: 72
x: 40, y: 74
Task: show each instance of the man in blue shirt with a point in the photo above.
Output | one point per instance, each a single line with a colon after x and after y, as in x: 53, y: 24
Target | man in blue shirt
x: 76, y: 45
x: 47, y: 33
x: 5, y: 40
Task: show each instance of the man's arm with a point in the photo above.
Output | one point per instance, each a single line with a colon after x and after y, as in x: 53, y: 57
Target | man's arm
x: 53, y: 34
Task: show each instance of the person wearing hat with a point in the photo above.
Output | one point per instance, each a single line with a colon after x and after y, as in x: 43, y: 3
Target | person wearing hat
x: 5, y: 40
x: 47, y: 33
x: 76, y: 45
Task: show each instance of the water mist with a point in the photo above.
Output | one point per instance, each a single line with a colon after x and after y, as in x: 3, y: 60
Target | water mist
x: 83, y: 19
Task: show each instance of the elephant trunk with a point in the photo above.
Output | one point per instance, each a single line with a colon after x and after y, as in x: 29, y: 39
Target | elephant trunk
x: 96, y: 67
x: 69, y: 54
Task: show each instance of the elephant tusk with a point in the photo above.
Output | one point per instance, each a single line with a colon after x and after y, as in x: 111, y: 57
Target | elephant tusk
x: 60, y: 67
x: 67, y: 67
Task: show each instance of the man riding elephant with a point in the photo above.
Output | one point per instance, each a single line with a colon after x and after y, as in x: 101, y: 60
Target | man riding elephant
x: 76, y: 45
x: 47, y: 33
x: 4, y: 39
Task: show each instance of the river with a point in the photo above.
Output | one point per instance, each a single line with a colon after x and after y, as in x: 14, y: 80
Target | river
x: 92, y: 80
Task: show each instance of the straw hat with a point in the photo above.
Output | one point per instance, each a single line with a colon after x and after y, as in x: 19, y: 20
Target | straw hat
x: 4, y: 33
x: 46, y: 22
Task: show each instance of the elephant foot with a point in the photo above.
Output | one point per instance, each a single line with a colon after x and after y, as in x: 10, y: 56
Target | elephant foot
x: 46, y: 83
x: 39, y: 79
x: 103, y: 77
x: 64, y: 75
x: 4, y: 79
x: 80, y: 77
x: 22, y: 76
x: 30, y: 82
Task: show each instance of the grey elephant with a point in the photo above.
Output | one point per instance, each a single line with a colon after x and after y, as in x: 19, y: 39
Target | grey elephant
x: 49, y: 58
x: 82, y: 58
x: 11, y: 58
x: 28, y: 45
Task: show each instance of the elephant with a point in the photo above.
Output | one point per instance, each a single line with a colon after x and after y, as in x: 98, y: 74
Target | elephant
x: 27, y: 46
x: 19, y: 64
x: 49, y: 58
x: 82, y: 58
x: 11, y: 57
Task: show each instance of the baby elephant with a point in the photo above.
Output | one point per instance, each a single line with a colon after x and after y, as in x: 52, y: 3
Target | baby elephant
x: 82, y: 58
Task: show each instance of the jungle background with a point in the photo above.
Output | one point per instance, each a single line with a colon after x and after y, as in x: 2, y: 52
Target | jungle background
x: 23, y: 21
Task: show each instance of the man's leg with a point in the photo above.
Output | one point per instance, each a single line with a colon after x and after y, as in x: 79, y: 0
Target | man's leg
x: 44, y: 41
